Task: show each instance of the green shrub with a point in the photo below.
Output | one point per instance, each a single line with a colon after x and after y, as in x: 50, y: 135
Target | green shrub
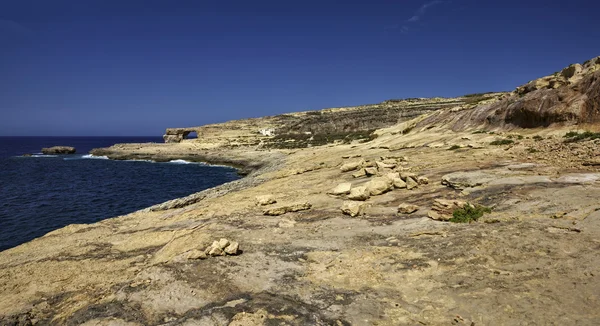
x: 502, y: 142
x: 469, y: 213
x: 532, y: 150
x: 479, y: 132
x: 574, y: 136
x: 538, y: 138
x: 454, y: 147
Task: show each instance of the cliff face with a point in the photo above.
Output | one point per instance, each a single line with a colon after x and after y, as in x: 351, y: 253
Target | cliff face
x: 568, y: 97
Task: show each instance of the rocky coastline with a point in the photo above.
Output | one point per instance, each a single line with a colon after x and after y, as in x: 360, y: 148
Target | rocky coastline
x: 455, y: 211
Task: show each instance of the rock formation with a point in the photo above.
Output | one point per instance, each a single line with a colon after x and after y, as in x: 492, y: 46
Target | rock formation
x: 59, y: 150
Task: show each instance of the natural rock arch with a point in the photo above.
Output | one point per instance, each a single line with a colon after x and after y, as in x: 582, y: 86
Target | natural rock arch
x: 177, y: 135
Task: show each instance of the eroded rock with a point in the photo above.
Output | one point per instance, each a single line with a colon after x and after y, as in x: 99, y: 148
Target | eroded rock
x: 411, y: 183
x: 351, y: 166
x: 59, y: 150
x: 359, y: 193
x: 264, y: 200
x: 276, y: 211
x: 341, y: 189
x: 405, y: 208
x: 379, y: 185
x: 353, y: 208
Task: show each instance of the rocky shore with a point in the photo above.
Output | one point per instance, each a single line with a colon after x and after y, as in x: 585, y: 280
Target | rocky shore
x: 356, y: 228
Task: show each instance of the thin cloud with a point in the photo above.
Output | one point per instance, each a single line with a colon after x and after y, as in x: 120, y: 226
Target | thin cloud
x: 418, y: 15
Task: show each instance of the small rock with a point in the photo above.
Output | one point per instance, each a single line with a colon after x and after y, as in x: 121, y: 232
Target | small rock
x: 196, y: 254
x: 393, y: 175
x: 405, y: 175
x: 341, y: 189
x: 381, y: 165
x: 399, y: 183
x: 353, y: 208
x: 264, y: 200
x: 223, y: 243
x: 359, y: 193
x: 59, y: 150
x: 370, y: 171
x: 276, y: 211
x: 233, y: 248
x: 411, y: 183
x: 216, y: 251
x: 405, y: 208
x: 360, y: 173
x: 351, y: 166
x: 422, y: 180
x: 379, y: 185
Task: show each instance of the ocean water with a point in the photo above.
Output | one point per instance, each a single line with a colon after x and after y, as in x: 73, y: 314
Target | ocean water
x: 45, y: 192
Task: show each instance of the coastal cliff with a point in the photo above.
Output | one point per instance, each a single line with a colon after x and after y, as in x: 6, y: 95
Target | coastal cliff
x: 344, y: 218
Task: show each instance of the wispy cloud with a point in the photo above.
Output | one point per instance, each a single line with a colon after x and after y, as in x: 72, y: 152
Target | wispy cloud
x: 418, y: 15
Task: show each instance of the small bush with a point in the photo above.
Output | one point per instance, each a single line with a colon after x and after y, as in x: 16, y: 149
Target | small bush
x: 454, y: 147
x: 469, y: 213
x: 479, y: 132
x: 532, y: 150
x: 519, y: 137
x: 502, y: 142
x: 538, y: 138
x: 574, y: 136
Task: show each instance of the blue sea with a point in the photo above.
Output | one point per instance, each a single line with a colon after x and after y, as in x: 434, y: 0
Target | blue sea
x: 42, y: 193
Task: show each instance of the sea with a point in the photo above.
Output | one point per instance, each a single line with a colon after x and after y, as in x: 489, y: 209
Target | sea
x: 42, y: 193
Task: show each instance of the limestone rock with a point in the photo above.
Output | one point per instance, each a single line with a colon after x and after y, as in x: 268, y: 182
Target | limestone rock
x: 370, y: 171
x: 264, y: 200
x: 353, y: 208
x: 404, y: 175
x: 442, y: 209
x: 233, y: 248
x: 411, y: 183
x: 341, y: 189
x: 462, y: 180
x: 359, y: 193
x: 399, y: 183
x: 379, y: 185
x: 196, y: 254
x: 223, y: 243
x: 216, y: 251
x: 405, y: 208
x: 59, y: 150
x: 359, y: 173
x: 422, y: 180
x: 381, y: 165
x: 276, y: 211
x: 393, y: 175
x: 351, y: 166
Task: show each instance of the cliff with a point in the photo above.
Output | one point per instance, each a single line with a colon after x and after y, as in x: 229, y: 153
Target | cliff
x: 355, y: 229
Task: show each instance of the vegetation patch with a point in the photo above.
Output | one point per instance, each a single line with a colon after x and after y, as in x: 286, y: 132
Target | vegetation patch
x: 454, y: 147
x: 303, y: 140
x: 532, y: 150
x: 479, y: 132
x: 538, y: 138
x: 469, y: 213
x: 502, y: 142
x: 573, y: 136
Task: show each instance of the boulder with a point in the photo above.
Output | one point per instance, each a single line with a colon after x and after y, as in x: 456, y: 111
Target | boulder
x: 379, y: 185
x: 405, y: 208
x: 359, y: 193
x: 264, y: 200
x: 353, y: 208
x: 370, y: 171
x: 341, y: 189
x: 59, y: 150
x: 222, y: 244
x: 351, y: 166
x: 215, y: 251
x: 276, y: 211
x: 411, y: 183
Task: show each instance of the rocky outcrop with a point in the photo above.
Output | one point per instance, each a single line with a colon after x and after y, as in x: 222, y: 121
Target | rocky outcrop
x: 59, y: 150
x: 177, y: 135
x: 568, y: 97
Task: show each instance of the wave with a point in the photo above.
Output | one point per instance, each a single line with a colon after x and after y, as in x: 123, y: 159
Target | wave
x: 43, y: 155
x: 91, y: 156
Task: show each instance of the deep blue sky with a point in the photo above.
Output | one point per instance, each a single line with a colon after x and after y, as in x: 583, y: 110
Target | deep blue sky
x: 136, y: 67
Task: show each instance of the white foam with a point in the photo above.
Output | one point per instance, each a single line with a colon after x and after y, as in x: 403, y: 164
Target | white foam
x: 90, y: 156
x: 43, y: 155
x: 180, y: 162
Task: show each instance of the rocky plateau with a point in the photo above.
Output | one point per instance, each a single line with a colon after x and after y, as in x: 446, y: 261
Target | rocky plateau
x: 345, y: 217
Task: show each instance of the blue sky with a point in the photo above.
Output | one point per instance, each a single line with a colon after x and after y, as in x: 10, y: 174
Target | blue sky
x: 136, y: 67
